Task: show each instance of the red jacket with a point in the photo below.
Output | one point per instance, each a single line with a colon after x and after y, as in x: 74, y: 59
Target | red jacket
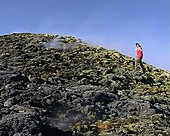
x: 139, y: 53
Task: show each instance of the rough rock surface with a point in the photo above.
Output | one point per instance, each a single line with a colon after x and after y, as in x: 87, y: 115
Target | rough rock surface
x: 60, y: 86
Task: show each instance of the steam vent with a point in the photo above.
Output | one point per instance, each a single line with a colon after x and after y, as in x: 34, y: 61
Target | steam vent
x: 53, y: 85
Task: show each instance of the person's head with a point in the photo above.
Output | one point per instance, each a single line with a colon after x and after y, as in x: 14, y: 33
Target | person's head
x: 138, y: 45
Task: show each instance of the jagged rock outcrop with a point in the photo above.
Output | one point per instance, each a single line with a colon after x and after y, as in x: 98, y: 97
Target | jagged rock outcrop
x: 59, y: 85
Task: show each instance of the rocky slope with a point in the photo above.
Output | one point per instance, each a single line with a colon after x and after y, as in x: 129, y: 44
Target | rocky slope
x: 60, y: 86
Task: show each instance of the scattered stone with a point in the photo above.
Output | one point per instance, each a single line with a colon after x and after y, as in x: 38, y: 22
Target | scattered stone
x: 58, y: 85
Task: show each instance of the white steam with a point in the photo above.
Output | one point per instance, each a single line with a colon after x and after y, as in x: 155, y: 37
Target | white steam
x: 57, y: 44
x: 62, y: 43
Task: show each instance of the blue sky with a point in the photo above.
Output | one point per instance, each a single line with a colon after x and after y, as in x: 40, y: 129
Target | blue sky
x: 113, y: 24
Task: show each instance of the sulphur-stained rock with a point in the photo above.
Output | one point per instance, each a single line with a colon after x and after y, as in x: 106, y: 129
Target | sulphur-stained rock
x: 59, y: 85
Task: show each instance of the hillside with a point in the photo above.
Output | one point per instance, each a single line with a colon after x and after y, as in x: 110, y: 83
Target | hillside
x: 60, y: 86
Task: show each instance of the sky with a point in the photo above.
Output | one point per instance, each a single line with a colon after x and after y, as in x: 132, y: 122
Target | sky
x: 112, y: 24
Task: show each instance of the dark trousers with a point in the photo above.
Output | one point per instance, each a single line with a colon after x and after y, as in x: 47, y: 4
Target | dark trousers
x: 139, y: 61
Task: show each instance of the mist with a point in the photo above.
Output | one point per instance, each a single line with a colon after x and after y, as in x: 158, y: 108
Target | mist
x: 58, y: 44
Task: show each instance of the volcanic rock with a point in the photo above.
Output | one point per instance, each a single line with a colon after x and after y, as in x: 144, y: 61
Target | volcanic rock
x: 58, y: 85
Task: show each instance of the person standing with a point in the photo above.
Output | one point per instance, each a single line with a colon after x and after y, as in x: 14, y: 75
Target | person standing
x: 139, y: 56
